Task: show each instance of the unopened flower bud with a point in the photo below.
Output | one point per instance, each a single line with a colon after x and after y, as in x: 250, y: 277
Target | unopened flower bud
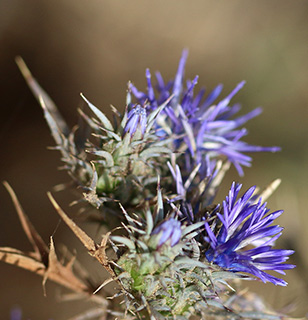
x: 169, y: 231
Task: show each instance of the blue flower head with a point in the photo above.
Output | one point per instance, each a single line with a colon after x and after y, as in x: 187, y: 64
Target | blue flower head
x: 168, y: 231
x: 245, y: 223
x: 205, y: 129
x: 136, y: 117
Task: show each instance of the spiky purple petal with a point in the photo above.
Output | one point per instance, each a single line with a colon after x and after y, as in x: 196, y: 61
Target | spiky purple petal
x: 169, y: 231
x: 136, y: 117
x: 244, y: 223
x: 205, y: 129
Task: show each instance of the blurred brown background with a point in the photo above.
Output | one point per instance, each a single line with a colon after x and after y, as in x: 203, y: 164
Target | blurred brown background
x: 95, y: 47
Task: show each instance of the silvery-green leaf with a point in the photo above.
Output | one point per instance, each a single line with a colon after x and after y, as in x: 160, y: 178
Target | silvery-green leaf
x: 100, y: 115
x: 129, y: 243
x: 125, y: 146
x: 159, y: 306
x: 162, y: 142
x: 123, y: 122
x: 150, y: 222
x: 226, y: 284
x: 112, y: 134
x: 222, y: 275
x: 153, y: 152
x: 90, y: 122
x: 55, y: 130
x: 192, y: 228
x: 200, y: 278
x: 215, y: 303
x: 160, y: 206
x: 106, y: 155
x: 142, y: 245
x: 187, y: 262
x: 137, y: 230
x: 259, y: 315
x: 155, y: 113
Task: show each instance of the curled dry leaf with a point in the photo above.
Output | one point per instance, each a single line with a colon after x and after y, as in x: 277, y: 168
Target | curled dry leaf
x: 97, y: 251
x: 43, y: 260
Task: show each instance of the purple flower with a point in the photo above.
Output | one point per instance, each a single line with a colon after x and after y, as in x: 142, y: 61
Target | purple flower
x: 247, y: 223
x: 192, y: 194
x: 205, y: 130
x: 136, y: 117
x: 169, y: 231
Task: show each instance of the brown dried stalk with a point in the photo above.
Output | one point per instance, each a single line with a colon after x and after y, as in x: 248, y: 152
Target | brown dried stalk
x: 43, y: 259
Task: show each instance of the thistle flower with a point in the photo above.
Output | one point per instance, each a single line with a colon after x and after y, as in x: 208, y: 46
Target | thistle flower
x: 136, y: 117
x: 204, y: 131
x: 169, y: 232
x: 247, y: 223
x: 167, y: 261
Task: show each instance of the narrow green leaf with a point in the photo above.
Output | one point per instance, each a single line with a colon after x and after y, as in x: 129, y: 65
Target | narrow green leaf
x: 100, y: 115
x: 106, y: 155
x: 124, y: 120
x: 192, y: 228
x: 223, y: 275
x: 128, y: 243
x: 155, y: 113
x: 53, y: 126
x: 153, y: 152
x: 160, y: 205
x: 150, y: 222
x: 260, y: 315
x: 186, y: 262
x: 112, y: 134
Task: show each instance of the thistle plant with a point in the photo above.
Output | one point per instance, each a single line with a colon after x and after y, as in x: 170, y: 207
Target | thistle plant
x: 171, y: 249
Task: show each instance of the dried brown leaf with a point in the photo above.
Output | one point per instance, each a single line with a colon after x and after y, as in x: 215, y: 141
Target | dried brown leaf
x: 43, y: 261
x: 97, y: 251
x: 21, y: 259
x: 102, y: 257
x: 41, y: 95
x: 55, y: 271
x: 80, y: 234
x: 62, y: 274
x: 39, y: 246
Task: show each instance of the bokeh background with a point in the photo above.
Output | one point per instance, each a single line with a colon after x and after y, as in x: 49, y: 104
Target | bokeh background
x: 95, y: 47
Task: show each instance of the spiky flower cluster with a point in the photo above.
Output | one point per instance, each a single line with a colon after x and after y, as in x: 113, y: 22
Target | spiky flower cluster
x: 152, y: 176
x: 246, y: 222
x: 205, y: 130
